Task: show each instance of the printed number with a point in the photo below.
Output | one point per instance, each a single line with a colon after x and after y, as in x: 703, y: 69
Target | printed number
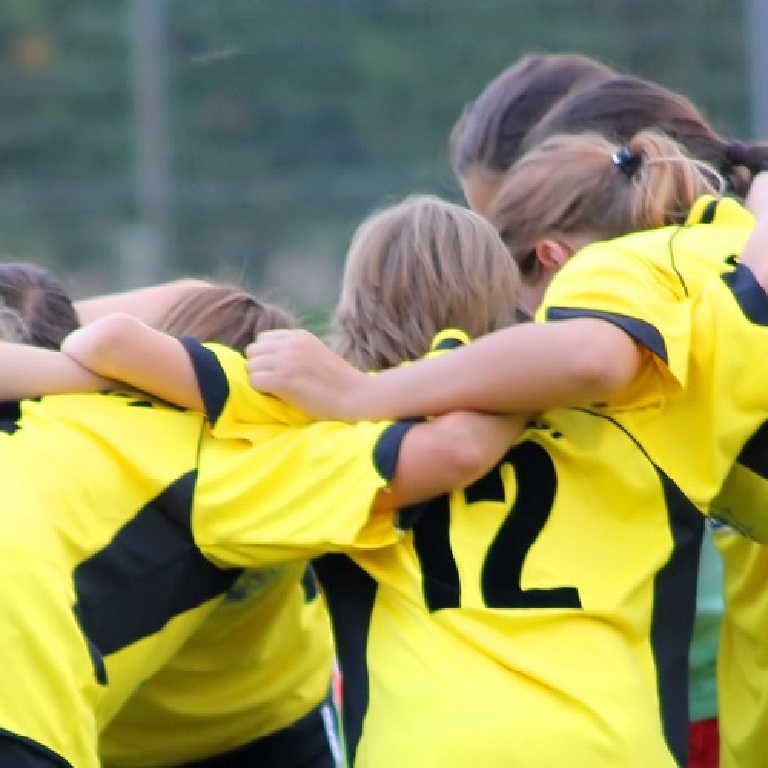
x: 503, y: 564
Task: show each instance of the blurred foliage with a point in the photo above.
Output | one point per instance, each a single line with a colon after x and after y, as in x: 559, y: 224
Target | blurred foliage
x: 288, y: 122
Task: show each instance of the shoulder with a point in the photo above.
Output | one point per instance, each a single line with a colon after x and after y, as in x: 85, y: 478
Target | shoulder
x: 228, y: 396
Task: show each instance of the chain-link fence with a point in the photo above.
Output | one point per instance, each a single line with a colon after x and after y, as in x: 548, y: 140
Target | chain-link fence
x: 244, y: 139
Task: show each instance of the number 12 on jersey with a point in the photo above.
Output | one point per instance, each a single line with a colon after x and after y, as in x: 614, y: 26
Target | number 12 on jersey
x: 502, y: 566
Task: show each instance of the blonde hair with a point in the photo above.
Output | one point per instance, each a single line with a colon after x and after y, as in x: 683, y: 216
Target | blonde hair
x: 413, y: 269
x: 580, y: 185
x: 223, y: 313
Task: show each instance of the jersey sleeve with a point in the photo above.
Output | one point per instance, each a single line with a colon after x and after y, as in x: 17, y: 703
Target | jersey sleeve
x: 611, y: 281
x: 299, y: 492
x: 230, y: 401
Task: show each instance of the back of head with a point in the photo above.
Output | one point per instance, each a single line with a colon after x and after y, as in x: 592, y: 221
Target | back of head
x: 490, y: 133
x: 12, y: 326
x: 416, y: 268
x: 587, y: 186
x: 225, y: 314
x: 619, y: 107
x: 41, y: 302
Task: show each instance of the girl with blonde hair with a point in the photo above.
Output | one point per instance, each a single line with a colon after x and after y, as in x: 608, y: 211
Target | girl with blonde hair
x: 414, y: 269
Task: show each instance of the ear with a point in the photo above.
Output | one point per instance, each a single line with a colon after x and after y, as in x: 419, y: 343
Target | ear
x: 552, y: 254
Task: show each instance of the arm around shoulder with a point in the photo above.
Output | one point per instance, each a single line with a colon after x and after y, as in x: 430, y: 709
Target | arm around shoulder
x: 122, y: 348
x: 29, y: 371
x: 523, y: 369
x: 148, y: 304
x: 447, y: 453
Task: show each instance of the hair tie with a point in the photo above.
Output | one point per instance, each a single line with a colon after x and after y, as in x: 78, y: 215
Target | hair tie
x: 737, y: 153
x: 626, y: 161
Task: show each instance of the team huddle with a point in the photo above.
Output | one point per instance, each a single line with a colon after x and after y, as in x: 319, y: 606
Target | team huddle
x: 483, y: 498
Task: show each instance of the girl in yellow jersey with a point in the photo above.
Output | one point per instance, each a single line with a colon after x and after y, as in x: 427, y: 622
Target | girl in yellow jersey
x: 218, y: 698
x: 260, y: 719
x: 544, y: 94
x: 251, y: 685
x: 647, y: 324
x: 190, y: 505
x: 446, y: 634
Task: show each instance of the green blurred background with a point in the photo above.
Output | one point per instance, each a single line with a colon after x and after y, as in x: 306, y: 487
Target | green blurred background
x: 245, y: 139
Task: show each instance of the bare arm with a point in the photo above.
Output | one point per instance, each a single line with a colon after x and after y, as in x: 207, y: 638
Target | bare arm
x: 451, y: 452
x: 122, y: 348
x: 523, y: 369
x: 148, y: 304
x: 755, y: 253
x: 31, y: 371
x: 757, y: 197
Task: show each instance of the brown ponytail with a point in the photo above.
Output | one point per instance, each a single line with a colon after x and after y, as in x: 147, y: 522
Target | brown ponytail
x: 585, y: 185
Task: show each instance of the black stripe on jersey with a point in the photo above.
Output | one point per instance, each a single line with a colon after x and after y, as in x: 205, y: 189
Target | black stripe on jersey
x: 387, y: 448
x: 708, y: 214
x: 150, y: 572
x: 10, y: 413
x: 749, y: 294
x: 674, y: 610
x: 754, y: 454
x: 211, y: 379
x: 20, y: 752
x: 350, y: 593
x: 642, y: 332
x: 674, y: 606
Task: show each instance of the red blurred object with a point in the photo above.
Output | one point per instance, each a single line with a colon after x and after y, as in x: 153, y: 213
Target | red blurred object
x: 704, y: 744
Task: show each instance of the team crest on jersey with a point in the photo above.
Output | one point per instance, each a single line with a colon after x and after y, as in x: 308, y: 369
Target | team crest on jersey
x: 253, y: 583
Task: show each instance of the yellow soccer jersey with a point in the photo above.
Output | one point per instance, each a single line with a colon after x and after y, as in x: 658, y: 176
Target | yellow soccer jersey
x: 703, y: 319
x: 261, y: 661
x: 85, y: 492
x: 539, y: 618
x: 700, y: 407
x: 153, y: 519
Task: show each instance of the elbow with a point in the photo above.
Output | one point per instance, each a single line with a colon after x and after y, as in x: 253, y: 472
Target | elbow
x: 465, y: 452
x: 605, y: 363
x: 469, y: 460
x: 97, y: 346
